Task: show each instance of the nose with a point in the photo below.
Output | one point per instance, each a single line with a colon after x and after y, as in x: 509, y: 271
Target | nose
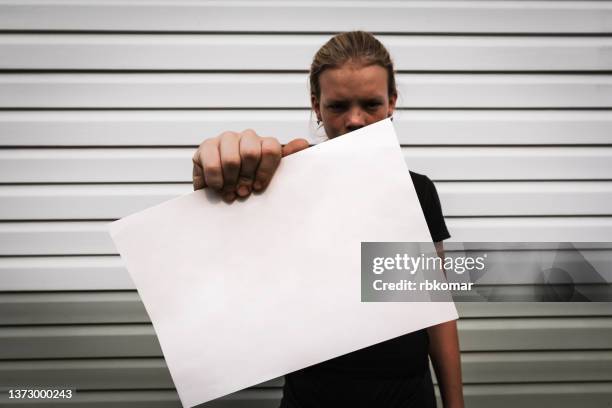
x: 355, y: 119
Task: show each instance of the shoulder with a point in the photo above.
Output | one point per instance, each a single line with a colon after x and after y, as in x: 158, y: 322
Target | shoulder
x: 423, y: 185
x: 418, y: 176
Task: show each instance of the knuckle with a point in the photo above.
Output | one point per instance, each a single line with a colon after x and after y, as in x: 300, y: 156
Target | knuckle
x: 211, y: 141
x: 211, y: 170
x: 271, y: 147
x: 231, y: 163
x: 228, y: 134
x: 249, y: 132
x: 270, y: 140
x: 250, y: 154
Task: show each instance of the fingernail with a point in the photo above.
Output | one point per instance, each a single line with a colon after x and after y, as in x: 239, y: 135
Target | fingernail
x: 243, y: 191
x: 257, y: 185
x: 229, y: 196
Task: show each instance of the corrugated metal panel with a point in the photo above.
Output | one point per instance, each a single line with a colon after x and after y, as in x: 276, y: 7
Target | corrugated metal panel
x: 108, y: 272
x: 461, y: 199
x: 533, y: 309
x: 150, y: 373
x: 125, y: 307
x: 264, y: 90
x: 174, y: 164
x: 139, y: 340
x: 91, y: 237
x: 64, y: 273
x: 294, y: 52
x: 520, y: 229
x: 76, y: 308
x: 593, y: 395
x: 311, y: 16
x: 527, y: 117
x: 189, y: 128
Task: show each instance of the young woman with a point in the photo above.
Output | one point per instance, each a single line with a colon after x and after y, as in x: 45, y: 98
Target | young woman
x: 352, y: 85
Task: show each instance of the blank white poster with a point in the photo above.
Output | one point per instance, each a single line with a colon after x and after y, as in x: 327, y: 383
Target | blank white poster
x: 245, y: 292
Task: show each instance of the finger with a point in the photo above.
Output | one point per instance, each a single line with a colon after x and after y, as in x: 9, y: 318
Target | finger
x: 295, y: 146
x: 207, y: 158
x: 229, y: 143
x: 271, y: 153
x: 250, y: 155
x: 197, y: 175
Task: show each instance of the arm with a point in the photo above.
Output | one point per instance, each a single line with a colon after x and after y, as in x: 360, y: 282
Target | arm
x: 445, y: 357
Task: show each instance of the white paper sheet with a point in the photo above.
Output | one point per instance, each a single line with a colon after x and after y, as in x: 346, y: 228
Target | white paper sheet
x: 245, y: 292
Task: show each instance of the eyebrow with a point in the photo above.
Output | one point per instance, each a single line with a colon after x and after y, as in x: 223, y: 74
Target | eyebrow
x: 366, y: 100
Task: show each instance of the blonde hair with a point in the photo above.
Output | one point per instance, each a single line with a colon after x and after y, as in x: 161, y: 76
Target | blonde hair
x: 355, y: 46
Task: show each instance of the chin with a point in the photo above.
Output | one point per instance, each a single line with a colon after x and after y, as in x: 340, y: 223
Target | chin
x: 344, y: 132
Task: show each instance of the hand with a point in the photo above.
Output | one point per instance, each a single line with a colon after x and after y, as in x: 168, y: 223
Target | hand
x: 236, y: 164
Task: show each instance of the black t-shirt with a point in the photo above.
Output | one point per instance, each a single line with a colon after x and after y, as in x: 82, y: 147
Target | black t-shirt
x: 394, y: 373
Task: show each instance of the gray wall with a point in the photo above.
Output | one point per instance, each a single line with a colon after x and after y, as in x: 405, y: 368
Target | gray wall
x: 505, y: 104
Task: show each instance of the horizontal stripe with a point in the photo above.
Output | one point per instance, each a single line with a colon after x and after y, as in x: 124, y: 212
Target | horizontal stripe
x: 524, y: 268
x: 567, y: 395
x: 587, y: 267
x: 150, y: 373
x: 190, y: 128
x: 128, y: 340
x: 125, y: 307
x: 313, y: 16
x: 197, y: 90
x: 92, y: 238
x: 175, y: 164
x: 537, y: 395
x: 459, y: 199
x: 295, y: 52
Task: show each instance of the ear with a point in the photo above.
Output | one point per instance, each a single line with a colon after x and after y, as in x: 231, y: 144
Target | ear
x: 392, y: 101
x: 316, y: 107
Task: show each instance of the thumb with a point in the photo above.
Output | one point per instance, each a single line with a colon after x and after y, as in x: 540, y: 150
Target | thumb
x: 295, y: 146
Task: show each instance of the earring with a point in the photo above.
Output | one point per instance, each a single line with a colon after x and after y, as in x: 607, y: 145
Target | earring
x: 318, y: 122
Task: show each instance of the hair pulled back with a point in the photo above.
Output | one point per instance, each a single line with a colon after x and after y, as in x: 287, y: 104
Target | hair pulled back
x: 352, y: 46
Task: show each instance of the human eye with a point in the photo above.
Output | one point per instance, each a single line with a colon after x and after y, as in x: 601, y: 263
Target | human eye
x: 373, y: 104
x: 336, y: 106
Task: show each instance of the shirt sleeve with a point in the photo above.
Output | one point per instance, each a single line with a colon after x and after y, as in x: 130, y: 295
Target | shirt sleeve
x: 430, y: 204
x: 436, y: 223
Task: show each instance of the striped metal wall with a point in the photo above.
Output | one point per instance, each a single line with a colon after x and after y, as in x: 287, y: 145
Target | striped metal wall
x: 505, y: 104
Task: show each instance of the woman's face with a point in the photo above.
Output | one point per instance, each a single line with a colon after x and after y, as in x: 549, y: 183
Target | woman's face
x: 352, y: 96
